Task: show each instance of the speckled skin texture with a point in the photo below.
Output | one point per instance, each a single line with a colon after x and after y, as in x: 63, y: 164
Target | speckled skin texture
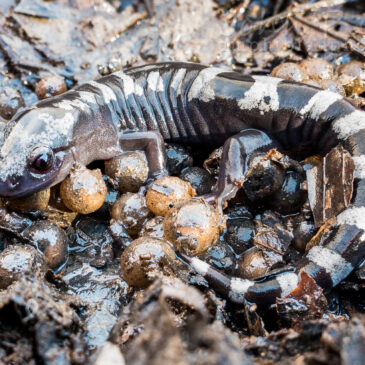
x: 190, y: 103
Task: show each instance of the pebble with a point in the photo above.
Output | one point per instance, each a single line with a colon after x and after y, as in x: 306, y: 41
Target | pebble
x: 36, y: 201
x: 50, y: 85
x: 177, y: 158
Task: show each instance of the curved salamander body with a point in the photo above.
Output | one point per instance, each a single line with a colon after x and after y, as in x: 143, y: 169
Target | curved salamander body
x: 190, y: 103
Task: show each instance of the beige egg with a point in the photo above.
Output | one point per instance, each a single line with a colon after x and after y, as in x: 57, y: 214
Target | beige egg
x: 144, y: 258
x: 192, y: 226
x: 166, y: 192
x: 83, y: 191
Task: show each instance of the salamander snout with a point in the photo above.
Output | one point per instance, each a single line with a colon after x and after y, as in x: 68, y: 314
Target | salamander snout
x: 12, y: 182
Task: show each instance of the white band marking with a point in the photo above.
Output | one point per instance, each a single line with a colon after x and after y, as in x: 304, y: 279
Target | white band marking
x: 349, y: 124
x: 335, y: 265
x: 319, y: 103
x: 263, y: 94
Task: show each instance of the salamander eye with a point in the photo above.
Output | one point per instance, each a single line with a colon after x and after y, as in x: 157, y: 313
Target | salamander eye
x: 42, y: 159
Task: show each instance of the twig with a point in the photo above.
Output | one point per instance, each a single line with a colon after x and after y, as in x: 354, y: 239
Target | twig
x: 287, y: 13
x: 352, y: 44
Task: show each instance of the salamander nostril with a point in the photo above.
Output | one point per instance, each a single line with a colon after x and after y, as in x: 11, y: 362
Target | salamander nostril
x: 12, y: 182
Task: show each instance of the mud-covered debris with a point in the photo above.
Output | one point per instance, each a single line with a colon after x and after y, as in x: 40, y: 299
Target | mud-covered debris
x: 36, y: 201
x: 314, y: 40
x: 83, y: 191
x: 49, y: 86
x: 330, y: 185
x: 49, y: 239
x: 102, y: 295
x: 144, y: 259
x: 271, y: 234
x: 129, y: 170
x: 193, y: 226
x: 153, y: 228
x: 351, y: 76
x: 42, y: 326
x: 211, y: 164
x: 173, y: 319
x: 16, y: 261
x: 256, y: 262
x: 305, y: 302
x: 177, y: 158
x: 199, y: 179
x: 132, y: 211
x: 347, y: 339
x: 167, y: 192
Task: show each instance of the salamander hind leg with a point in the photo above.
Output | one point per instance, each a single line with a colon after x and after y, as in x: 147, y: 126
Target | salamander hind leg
x: 237, y: 151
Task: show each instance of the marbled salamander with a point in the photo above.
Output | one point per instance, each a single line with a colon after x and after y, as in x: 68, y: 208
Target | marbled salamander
x: 190, y: 103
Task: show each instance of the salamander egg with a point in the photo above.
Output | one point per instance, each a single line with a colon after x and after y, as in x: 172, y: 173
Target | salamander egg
x: 132, y: 211
x: 144, y: 258
x: 83, y: 191
x: 36, y: 201
x: 51, y: 240
x: 16, y: 260
x: 192, y: 226
x: 129, y: 169
x: 166, y: 192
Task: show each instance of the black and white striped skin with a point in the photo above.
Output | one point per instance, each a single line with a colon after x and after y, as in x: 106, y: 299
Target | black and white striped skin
x: 190, y: 103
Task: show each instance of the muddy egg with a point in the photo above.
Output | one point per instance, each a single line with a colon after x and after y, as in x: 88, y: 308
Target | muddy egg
x: 317, y: 68
x: 177, y: 157
x: 290, y: 196
x: 239, y: 234
x: 129, y: 169
x: 144, y: 258
x: 166, y: 192
x: 10, y: 102
x: 255, y: 262
x: 290, y: 71
x: 263, y: 178
x: 131, y: 209
x: 17, y: 260
x: 36, y: 201
x: 200, y: 179
x: 192, y: 226
x: 220, y: 256
x: 153, y: 228
x: 83, y: 191
x: 49, y: 86
x: 51, y: 240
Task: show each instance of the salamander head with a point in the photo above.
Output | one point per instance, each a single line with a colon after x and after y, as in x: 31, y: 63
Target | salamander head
x: 36, y: 151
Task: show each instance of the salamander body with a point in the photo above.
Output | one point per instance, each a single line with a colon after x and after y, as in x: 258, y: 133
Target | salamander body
x: 190, y: 103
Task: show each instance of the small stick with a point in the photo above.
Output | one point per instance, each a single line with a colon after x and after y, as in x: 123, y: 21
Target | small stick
x: 287, y: 13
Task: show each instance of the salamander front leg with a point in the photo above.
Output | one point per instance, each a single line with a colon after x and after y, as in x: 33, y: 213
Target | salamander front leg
x: 152, y: 144
x: 236, y: 152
